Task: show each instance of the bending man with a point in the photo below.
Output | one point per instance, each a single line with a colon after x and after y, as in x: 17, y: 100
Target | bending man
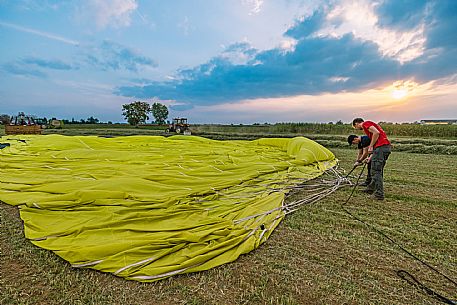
x: 380, y: 149
x: 362, y: 144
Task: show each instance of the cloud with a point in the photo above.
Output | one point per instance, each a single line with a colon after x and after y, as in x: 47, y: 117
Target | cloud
x: 39, y: 33
x: 28, y: 66
x: 254, y: 5
x: 41, y: 5
x: 401, y: 14
x: 359, y: 18
x: 317, y: 64
x: 107, y: 56
x: 109, y: 13
x: 307, y: 26
x: 429, y: 101
x: 239, y: 53
x: 439, y: 20
x: 113, y: 56
x: 22, y: 70
x: 311, y: 68
x: 48, y: 64
x: 186, y: 26
x: 442, y: 24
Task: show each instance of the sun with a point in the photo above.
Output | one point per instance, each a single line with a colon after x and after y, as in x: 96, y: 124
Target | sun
x: 402, y: 89
x: 398, y: 94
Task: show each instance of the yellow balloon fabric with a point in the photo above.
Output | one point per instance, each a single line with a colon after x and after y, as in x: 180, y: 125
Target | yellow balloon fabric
x: 149, y: 207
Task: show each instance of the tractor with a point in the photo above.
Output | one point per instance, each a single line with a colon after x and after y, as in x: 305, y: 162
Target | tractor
x: 179, y: 125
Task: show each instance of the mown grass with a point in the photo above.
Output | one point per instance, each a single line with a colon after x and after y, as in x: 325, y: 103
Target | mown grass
x: 408, y: 144
x: 318, y: 255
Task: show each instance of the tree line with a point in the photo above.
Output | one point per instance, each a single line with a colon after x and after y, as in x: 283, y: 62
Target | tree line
x: 5, y: 119
x: 135, y: 113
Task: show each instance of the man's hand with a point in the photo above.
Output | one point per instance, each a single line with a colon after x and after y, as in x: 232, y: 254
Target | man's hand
x: 368, y: 160
x: 357, y: 163
x: 370, y: 149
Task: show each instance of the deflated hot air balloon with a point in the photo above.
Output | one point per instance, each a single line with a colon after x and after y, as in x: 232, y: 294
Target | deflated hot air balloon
x: 146, y: 208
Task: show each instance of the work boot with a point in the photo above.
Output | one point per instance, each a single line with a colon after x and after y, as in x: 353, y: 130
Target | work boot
x: 377, y: 197
x: 368, y: 191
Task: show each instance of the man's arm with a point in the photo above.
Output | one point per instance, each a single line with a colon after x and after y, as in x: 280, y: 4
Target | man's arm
x: 374, y: 138
x: 362, y: 155
x: 359, y: 155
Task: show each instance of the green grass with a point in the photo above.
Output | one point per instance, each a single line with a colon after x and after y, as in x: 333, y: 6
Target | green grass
x: 318, y: 255
x: 408, y: 144
x: 414, y: 144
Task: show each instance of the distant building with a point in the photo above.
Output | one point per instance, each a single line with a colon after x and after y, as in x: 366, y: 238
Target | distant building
x: 439, y: 122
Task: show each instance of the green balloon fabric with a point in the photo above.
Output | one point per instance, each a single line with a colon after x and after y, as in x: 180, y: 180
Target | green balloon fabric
x: 148, y: 207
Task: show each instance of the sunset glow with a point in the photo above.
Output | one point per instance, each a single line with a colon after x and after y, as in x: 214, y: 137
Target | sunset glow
x: 239, y: 61
x: 398, y: 94
x: 403, y: 89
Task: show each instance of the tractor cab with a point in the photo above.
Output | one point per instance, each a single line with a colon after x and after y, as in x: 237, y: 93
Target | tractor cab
x: 178, y: 125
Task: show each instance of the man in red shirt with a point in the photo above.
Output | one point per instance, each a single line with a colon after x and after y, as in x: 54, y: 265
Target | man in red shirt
x: 379, y: 149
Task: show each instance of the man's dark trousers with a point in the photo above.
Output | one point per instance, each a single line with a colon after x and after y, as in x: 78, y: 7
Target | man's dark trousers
x: 378, y: 161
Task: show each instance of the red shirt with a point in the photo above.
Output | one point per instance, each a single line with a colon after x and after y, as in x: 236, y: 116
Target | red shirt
x: 382, y: 139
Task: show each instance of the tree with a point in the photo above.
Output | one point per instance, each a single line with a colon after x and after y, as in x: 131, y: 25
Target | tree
x: 160, y: 112
x: 92, y: 120
x: 4, y: 119
x: 136, y: 113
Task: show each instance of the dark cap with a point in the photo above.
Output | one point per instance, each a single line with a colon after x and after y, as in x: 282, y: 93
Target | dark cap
x: 351, y: 138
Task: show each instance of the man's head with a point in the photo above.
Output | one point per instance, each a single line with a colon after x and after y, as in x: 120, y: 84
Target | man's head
x: 357, y: 123
x: 353, y: 139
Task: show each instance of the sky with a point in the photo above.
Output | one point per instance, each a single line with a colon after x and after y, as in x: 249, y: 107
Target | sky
x: 231, y: 61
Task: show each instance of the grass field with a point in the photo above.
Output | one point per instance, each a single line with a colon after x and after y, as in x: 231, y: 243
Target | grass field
x: 425, y: 139
x: 318, y: 255
x: 397, y: 130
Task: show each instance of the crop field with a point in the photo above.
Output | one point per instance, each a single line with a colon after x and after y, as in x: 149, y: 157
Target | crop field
x: 317, y: 255
x: 398, y: 130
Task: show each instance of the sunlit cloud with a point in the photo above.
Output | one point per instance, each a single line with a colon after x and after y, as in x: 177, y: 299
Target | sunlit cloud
x: 359, y: 54
x: 113, y: 13
x: 254, y: 5
x: 287, y: 44
x: 359, y: 18
x: 403, y: 89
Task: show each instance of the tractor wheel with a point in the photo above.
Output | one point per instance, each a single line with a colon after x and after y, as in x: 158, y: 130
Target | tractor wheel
x: 178, y: 130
